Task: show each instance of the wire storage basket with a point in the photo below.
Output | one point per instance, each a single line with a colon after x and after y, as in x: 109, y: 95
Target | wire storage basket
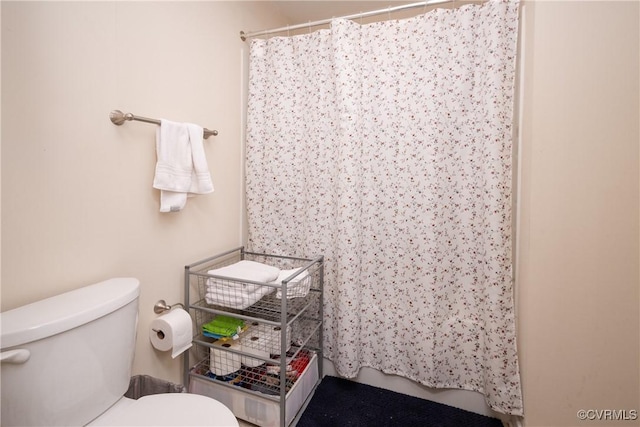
x: 258, y: 332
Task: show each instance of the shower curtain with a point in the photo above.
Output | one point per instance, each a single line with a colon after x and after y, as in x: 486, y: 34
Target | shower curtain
x: 387, y: 148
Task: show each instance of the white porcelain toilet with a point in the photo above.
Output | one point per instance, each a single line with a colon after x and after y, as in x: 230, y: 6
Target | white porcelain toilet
x: 66, y: 361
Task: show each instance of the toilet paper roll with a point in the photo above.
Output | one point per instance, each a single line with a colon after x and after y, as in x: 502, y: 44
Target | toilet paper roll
x: 251, y: 344
x: 272, y: 337
x: 223, y: 362
x: 261, y: 339
x: 172, y: 331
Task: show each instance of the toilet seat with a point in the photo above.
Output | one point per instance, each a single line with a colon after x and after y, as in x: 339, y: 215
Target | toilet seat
x: 168, y: 409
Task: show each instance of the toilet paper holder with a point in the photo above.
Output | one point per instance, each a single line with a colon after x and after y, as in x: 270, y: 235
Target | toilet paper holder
x: 161, y: 306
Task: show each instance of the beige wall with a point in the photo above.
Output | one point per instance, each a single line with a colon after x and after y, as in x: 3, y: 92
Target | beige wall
x: 78, y: 204
x: 578, y: 251
x: 76, y: 189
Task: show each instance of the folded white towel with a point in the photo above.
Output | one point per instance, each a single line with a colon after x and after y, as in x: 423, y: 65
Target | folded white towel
x: 231, y: 291
x: 298, y: 286
x: 248, y: 270
x: 201, y: 178
x: 234, y: 298
x: 216, y: 297
x: 181, y: 167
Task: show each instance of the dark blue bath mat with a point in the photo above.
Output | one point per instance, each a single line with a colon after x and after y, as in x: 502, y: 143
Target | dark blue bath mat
x: 340, y: 403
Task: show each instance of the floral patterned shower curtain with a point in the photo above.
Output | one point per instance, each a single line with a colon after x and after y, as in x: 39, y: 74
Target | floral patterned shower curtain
x: 387, y: 148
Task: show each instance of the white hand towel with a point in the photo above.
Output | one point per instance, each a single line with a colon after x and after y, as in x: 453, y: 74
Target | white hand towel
x: 200, y: 178
x: 182, y: 166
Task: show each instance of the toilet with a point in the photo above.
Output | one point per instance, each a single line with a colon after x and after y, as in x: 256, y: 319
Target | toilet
x: 66, y: 361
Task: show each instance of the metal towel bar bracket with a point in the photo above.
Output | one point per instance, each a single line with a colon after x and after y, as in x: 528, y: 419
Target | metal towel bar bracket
x: 118, y: 118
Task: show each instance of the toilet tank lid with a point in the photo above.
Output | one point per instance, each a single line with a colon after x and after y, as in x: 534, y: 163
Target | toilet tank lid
x: 66, y: 311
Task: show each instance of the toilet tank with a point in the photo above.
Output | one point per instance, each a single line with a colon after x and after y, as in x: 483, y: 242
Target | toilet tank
x: 67, y: 359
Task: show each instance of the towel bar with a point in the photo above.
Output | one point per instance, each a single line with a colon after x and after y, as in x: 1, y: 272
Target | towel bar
x: 118, y: 118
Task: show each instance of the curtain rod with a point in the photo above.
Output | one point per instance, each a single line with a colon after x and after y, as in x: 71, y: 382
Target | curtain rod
x: 118, y: 118
x: 244, y: 36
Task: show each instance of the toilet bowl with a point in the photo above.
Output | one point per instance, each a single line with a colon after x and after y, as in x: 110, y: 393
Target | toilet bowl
x: 66, y: 361
x: 169, y: 409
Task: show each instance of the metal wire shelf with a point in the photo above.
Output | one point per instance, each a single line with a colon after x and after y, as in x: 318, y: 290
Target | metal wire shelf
x: 285, y: 318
